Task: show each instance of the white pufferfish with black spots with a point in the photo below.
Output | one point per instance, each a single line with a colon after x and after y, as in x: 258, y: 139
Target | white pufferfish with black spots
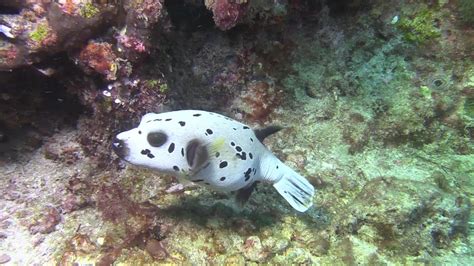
x: 212, y: 150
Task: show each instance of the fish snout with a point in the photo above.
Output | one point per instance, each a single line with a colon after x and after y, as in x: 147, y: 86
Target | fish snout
x: 119, y: 147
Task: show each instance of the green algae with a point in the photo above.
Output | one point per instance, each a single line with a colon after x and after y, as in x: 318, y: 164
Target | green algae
x: 420, y: 28
x: 161, y: 86
x: 466, y: 8
x: 89, y: 10
x: 425, y: 91
x: 469, y: 107
x: 39, y: 33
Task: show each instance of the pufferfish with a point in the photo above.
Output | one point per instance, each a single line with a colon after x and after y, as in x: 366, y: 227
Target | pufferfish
x: 214, y: 151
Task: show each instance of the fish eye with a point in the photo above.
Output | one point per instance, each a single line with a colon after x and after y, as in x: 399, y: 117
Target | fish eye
x: 156, y: 139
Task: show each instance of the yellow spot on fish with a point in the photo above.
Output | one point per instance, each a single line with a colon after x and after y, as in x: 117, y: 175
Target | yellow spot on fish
x: 217, y: 145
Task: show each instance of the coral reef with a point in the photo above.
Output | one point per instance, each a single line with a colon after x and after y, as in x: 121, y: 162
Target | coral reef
x: 42, y: 29
x: 376, y: 101
x: 99, y: 57
x: 420, y: 28
x: 226, y: 13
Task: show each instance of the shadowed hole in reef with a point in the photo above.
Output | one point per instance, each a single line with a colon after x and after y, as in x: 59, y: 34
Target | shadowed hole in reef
x: 194, y: 55
x: 189, y: 16
x: 10, y: 7
x: 34, y: 104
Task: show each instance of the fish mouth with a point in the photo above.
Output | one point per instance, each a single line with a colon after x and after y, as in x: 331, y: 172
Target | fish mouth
x: 120, y: 148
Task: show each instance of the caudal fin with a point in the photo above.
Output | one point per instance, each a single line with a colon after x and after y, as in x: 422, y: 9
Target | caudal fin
x: 296, y: 190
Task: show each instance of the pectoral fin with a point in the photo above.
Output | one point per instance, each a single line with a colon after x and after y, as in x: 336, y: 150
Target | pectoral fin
x: 243, y: 194
x: 196, y: 154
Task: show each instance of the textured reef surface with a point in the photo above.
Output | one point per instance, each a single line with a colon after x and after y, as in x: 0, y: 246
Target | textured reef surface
x: 376, y: 99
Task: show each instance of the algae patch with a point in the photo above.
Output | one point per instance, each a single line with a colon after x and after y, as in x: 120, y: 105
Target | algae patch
x: 40, y: 33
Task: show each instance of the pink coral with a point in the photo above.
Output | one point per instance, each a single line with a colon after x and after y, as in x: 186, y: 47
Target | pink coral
x: 132, y: 42
x: 227, y: 13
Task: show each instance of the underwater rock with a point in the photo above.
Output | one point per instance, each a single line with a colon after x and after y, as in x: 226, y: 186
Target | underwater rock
x: 259, y: 100
x: 175, y: 189
x: 253, y: 249
x: 141, y: 21
x: 82, y: 243
x: 42, y: 29
x: 156, y: 249
x: 100, y: 58
x: 406, y: 217
x: 4, y: 258
x: 227, y: 13
x: 47, y: 222
x: 72, y: 203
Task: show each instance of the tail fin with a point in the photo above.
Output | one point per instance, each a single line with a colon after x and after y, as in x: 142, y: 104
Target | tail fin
x: 296, y: 190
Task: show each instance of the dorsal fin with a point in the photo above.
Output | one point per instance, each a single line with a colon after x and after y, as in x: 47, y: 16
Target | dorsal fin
x: 266, y: 131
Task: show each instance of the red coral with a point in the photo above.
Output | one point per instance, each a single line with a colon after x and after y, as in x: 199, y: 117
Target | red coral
x: 227, y: 13
x: 50, y: 40
x: 261, y: 97
x: 99, y: 57
x: 8, y: 54
x: 47, y: 223
x: 116, y: 205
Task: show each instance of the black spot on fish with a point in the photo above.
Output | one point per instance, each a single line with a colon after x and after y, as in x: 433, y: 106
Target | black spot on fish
x: 246, y: 127
x: 171, y: 147
x: 209, y: 131
x: 158, y: 119
x: 198, y: 180
x: 182, y: 152
x: 217, y: 154
x: 151, y: 156
x: 145, y: 151
x: 232, y: 143
x: 182, y: 123
x: 176, y: 168
x: 206, y: 183
x: 242, y: 156
x: 223, y: 164
x: 168, y: 119
x: 277, y: 166
x: 247, y: 174
x: 251, y: 139
x: 234, y: 128
x: 238, y: 148
x: 222, y: 178
x: 196, y: 115
x: 250, y: 155
x: 139, y: 132
x: 254, y: 171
